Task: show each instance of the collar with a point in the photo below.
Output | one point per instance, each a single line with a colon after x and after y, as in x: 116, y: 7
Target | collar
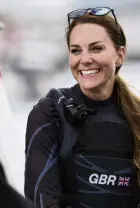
x: 79, y: 97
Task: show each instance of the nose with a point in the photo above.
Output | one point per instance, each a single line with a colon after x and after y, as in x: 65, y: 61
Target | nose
x: 86, y: 58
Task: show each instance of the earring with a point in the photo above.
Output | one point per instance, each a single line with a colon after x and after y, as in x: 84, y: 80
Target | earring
x: 118, y: 61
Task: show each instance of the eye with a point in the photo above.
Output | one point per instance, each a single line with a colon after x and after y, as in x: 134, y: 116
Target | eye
x: 97, y: 48
x: 75, y: 51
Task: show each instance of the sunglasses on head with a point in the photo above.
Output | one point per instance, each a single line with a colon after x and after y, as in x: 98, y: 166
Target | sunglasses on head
x: 97, y: 11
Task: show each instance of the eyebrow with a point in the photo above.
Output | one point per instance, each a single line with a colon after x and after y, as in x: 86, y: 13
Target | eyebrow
x: 91, y: 44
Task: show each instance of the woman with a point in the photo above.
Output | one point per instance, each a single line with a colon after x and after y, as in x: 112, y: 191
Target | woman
x: 87, y: 155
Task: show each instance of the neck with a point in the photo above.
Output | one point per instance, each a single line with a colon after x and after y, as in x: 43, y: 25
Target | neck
x: 100, y: 93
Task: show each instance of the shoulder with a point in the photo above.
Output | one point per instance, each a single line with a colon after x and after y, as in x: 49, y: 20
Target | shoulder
x: 45, y: 107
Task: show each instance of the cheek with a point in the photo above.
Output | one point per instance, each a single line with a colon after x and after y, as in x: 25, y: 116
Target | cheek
x: 70, y: 61
x: 108, y: 61
x: 73, y: 61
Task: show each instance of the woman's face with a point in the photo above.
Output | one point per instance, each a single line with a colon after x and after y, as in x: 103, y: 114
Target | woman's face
x: 93, y: 58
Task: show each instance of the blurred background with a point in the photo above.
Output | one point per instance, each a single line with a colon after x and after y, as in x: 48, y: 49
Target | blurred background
x: 34, y: 55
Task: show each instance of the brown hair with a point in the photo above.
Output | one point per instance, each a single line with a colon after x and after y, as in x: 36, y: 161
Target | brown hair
x: 128, y: 101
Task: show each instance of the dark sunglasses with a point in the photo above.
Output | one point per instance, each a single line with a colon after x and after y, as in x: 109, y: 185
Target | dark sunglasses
x: 97, y: 11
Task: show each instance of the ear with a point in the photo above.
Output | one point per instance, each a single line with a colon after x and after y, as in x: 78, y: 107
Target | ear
x: 120, y: 56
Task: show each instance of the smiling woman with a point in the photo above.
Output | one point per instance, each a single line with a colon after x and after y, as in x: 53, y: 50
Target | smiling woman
x: 86, y: 139
x: 93, y: 60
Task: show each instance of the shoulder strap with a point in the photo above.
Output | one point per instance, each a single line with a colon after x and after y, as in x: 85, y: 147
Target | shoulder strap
x: 69, y: 138
x: 70, y: 132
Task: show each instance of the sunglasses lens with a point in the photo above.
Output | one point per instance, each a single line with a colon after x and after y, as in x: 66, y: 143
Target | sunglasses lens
x: 100, y: 11
x: 77, y: 13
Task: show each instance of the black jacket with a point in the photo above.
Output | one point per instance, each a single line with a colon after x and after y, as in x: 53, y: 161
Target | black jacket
x: 45, y: 178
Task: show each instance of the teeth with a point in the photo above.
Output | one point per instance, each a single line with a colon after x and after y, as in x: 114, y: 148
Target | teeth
x: 90, y: 72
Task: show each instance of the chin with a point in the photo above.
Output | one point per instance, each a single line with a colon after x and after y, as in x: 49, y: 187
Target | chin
x: 90, y: 86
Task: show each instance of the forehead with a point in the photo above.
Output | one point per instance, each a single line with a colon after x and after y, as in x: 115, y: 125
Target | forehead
x: 88, y: 33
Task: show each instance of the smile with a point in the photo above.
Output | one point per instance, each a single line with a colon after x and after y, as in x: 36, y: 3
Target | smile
x: 88, y: 72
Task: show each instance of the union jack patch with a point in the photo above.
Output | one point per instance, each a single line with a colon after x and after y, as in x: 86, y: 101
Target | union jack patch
x: 124, y: 181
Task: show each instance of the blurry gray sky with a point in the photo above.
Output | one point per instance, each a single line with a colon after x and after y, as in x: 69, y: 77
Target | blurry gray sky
x: 110, y: 3
x: 26, y: 8
x: 56, y: 8
x: 18, y: 3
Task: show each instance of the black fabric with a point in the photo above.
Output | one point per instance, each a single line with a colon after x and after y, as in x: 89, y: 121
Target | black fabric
x: 49, y: 175
x: 41, y: 141
x: 9, y: 197
x: 104, y: 182
x: 108, y: 153
x: 2, y: 173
